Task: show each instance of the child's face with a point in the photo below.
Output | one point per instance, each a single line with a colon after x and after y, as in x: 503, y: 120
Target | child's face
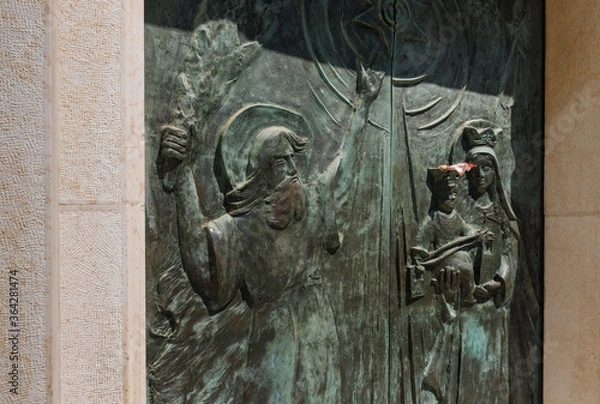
x: 447, y: 201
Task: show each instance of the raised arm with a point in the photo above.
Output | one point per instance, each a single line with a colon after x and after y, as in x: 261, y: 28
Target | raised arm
x: 368, y: 84
x: 178, y: 178
x: 341, y: 173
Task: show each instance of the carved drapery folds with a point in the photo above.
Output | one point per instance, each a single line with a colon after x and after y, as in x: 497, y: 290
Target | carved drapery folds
x: 332, y: 198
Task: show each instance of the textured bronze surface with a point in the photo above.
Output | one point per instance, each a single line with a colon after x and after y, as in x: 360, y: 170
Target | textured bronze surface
x: 344, y: 201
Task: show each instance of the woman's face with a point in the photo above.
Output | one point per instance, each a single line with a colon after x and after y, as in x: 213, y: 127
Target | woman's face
x: 483, y: 175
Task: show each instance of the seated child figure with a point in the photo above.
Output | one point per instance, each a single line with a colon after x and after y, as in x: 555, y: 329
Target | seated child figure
x: 444, y: 237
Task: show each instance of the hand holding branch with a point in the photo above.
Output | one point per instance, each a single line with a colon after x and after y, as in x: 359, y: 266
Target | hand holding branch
x: 173, y: 150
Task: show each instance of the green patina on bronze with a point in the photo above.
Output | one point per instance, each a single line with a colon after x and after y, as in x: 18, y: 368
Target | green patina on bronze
x: 310, y: 237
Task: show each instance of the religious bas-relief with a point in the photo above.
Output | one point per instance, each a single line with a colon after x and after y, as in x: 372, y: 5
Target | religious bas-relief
x: 343, y: 201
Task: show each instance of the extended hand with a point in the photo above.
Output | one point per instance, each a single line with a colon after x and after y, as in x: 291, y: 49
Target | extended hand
x: 485, y: 235
x: 493, y: 287
x: 481, y: 294
x: 419, y: 254
x: 489, y: 235
x: 487, y: 290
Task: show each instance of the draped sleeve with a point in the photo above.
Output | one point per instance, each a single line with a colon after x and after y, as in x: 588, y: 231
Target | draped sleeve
x: 223, y: 258
x: 509, y: 266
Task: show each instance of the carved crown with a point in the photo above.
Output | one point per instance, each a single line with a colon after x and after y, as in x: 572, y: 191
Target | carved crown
x: 481, y: 133
x: 440, y: 180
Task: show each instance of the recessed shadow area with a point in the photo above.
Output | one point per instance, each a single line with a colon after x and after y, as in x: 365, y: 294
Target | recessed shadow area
x: 177, y: 14
x: 452, y: 44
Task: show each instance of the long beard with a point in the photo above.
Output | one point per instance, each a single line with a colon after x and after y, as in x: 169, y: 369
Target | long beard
x: 286, y: 203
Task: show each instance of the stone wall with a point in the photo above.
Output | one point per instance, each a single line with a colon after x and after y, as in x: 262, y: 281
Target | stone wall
x: 24, y: 189
x: 72, y: 200
x: 72, y: 204
x: 572, y: 188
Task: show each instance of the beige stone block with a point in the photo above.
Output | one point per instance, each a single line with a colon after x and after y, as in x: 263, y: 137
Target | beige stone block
x: 572, y: 184
x: 135, y: 310
x: 89, y: 88
x: 92, y: 305
x: 133, y: 45
x: 23, y: 187
x: 135, y: 324
x: 572, y: 107
x: 572, y: 31
x: 572, y: 305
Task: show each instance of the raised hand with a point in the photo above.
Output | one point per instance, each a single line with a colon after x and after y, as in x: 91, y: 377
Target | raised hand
x: 173, y: 146
x: 173, y: 150
x: 368, y: 83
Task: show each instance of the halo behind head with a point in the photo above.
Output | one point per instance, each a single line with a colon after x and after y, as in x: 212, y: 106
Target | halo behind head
x: 238, y: 133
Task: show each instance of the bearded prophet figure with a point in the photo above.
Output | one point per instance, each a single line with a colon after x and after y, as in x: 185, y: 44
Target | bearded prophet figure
x: 269, y: 246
